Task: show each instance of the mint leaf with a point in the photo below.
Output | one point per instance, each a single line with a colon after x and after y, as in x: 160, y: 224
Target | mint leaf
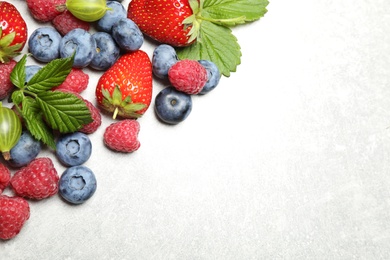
x: 233, y: 12
x: 18, y: 74
x: 217, y: 44
x: 51, y: 75
x: 63, y: 111
x: 32, y: 117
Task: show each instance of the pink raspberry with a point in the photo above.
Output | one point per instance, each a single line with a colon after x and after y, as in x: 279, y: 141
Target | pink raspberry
x: 6, y: 85
x: 14, y: 212
x: 188, y: 76
x: 37, y: 180
x: 76, y: 81
x: 44, y: 10
x: 122, y: 136
x: 66, y: 22
x: 96, y: 117
x: 5, y: 176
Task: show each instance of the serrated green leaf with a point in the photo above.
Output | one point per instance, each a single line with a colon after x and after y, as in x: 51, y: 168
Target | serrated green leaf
x: 18, y: 73
x: 62, y: 111
x: 217, y: 44
x: 233, y: 12
x: 34, y: 122
x: 51, y: 75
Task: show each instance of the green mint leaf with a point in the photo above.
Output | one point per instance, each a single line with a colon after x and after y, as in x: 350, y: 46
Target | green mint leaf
x: 32, y: 117
x: 18, y: 74
x: 62, y: 111
x: 217, y: 44
x: 51, y: 75
x: 230, y: 13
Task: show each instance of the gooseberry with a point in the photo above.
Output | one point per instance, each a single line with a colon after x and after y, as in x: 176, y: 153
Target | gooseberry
x: 87, y: 10
x: 10, y: 130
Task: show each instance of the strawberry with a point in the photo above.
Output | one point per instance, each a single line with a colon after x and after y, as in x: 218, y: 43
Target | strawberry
x: 188, y: 76
x: 44, y: 10
x: 14, y: 212
x: 5, y: 176
x: 38, y: 180
x: 162, y: 20
x: 122, y: 136
x: 6, y: 85
x: 13, y: 31
x: 126, y: 88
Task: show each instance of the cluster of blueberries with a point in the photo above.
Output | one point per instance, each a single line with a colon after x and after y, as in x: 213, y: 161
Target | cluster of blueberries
x: 98, y: 50
x: 78, y: 182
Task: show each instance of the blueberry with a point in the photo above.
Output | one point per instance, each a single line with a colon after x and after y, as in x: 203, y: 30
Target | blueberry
x: 25, y: 150
x: 127, y: 35
x: 77, y: 184
x: 117, y: 12
x: 172, y: 106
x: 213, y: 76
x: 31, y: 70
x: 44, y: 44
x: 107, y: 51
x: 164, y: 56
x: 80, y: 41
x: 73, y: 149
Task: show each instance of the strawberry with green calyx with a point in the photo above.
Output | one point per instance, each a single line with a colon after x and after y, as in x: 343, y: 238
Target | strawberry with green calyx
x: 13, y: 32
x: 43, y: 109
x: 200, y: 28
x: 125, y: 89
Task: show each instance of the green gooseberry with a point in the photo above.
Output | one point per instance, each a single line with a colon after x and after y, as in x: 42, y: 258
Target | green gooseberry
x: 87, y: 10
x: 10, y: 130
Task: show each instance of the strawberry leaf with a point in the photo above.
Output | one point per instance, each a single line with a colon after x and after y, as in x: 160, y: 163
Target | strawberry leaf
x: 51, y: 75
x: 215, y: 43
x: 32, y: 117
x: 63, y: 111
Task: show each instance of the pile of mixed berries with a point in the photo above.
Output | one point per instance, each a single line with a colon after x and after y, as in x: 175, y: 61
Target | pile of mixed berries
x: 124, y: 91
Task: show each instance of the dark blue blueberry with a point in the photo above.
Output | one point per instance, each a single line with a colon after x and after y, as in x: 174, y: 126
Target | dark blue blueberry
x: 107, y: 51
x: 25, y: 150
x: 127, y: 35
x: 172, y: 106
x: 73, y: 149
x: 77, y: 184
x: 164, y: 56
x: 117, y: 12
x: 213, y: 74
x: 80, y: 41
x: 31, y: 70
x: 44, y: 44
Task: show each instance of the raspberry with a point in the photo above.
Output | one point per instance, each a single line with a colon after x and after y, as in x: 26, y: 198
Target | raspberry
x: 37, y: 180
x: 96, y: 117
x: 76, y: 81
x: 66, y: 22
x: 122, y: 136
x: 14, y: 212
x: 44, y: 10
x: 188, y: 76
x: 5, y: 176
x: 6, y: 85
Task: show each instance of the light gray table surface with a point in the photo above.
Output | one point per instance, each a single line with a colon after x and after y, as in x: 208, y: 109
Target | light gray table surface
x: 288, y: 158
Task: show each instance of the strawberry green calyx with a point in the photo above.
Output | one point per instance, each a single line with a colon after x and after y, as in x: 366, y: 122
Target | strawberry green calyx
x: 124, y: 107
x: 7, y: 49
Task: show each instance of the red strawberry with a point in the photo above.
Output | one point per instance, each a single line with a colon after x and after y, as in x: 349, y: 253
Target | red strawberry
x: 44, y: 10
x: 6, y: 85
x: 37, y: 180
x: 14, y: 212
x: 13, y: 31
x: 5, y: 176
x: 66, y: 22
x: 126, y: 88
x: 76, y: 81
x: 122, y: 136
x: 162, y: 20
x: 188, y: 76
